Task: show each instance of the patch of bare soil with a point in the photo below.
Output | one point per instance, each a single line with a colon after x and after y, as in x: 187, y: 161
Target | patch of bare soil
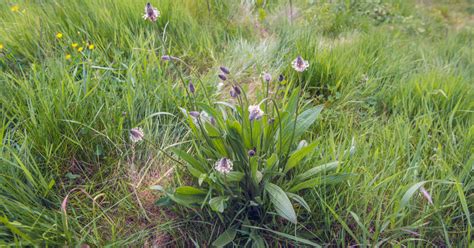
x: 153, y: 173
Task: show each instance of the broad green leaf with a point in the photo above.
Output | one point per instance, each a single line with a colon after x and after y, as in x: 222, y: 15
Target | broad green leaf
x: 409, y: 193
x: 292, y: 101
x: 316, y: 170
x: 303, y: 123
x: 225, y: 238
x: 330, y: 179
x: 190, y: 159
x: 218, y: 204
x: 235, y: 176
x: 189, y: 190
x: 271, y: 161
x: 306, y: 119
x: 195, y: 172
x: 163, y: 201
x: 297, y: 156
x: 259, y: 176
x: 299, y: 200
x: 281, y: 202
x: 187, y: 200
x: 254, y: 168
x: 202, y: 178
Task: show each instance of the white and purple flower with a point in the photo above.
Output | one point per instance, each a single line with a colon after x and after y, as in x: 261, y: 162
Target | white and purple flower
x: 151, y: 13
x: 136, y: 135
x: 224, y: 165
x: 299, y: 64
x: 255, y: 113
x: 267, y: 77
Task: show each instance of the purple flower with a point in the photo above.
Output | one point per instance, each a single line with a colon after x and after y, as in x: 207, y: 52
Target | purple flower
x: 151, y: 13
x: 267, y: 77
x: 299, y: 64
x: 255, y: 113
x: 224, y: 69
x: 194, y: 114
x: 166, y: 58
x: 223, y: 77
x: 224, y: 165
x: 191, y: 87
x: 136, y: 134
x: 233, y: 94
x: 252, y: 152
x: 237, y: 89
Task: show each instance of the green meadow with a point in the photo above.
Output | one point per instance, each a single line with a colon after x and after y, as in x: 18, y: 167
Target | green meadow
x: 116, y: 130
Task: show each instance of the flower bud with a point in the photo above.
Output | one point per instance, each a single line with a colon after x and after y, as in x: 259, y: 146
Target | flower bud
x: 233, y: 94
x: 191, y: 87
x: 194, y: 114
x: 252, y: 152
x: 237, y: 90
x: 267, y: 77
x: 212, y: 121
x: 281, y: 78
x: 223, y: 77
x: 166, y: 58
x: 224, y: 69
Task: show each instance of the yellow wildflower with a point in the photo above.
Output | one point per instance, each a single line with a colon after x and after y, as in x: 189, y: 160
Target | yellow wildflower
x: 80, y: 49
x: 91, y: 47
x: 59, y: 35
x: 1, y: 46
x: 74, y: 45
x: 15, y: 8
x: 68, y: 56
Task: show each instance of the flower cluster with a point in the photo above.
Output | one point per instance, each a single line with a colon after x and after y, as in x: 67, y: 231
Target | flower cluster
x: 299, y: 64
x: 136, y: 135
x: 76, y: 47
x: 255, y: 113
x: 151, y: 13
x: 224, y: 165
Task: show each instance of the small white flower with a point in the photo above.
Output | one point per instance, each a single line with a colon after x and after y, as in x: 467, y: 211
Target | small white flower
x: 255, y: 113
x: 299, y: 64
x: 151, y: 13
x: 224, y: 165
x: 205, y: 115
x: 220, y: 85
x: 302, y: 144
x: 136, y: 134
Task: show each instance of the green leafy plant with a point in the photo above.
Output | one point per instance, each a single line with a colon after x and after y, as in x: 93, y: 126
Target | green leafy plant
x: 245, y: 158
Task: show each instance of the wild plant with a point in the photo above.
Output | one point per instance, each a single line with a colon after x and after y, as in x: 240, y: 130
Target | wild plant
x: 244, y: 155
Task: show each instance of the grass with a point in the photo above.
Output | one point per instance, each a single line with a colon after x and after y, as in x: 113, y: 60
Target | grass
x: 395, y: 78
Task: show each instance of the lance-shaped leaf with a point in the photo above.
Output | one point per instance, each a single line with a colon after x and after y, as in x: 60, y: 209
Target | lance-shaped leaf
x: 297, y: 156
x: 281, y: 202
